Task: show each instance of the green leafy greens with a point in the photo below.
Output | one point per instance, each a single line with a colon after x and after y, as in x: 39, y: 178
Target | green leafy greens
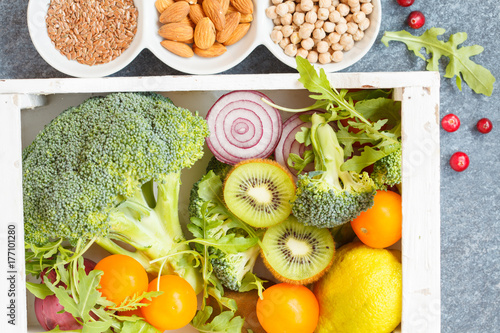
x: 478, y: 78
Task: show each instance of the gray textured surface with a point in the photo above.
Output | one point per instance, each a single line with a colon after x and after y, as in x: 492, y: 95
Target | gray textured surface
x: 470, y: 241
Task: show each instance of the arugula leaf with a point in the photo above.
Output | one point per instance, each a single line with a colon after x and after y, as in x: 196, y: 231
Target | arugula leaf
x: 250, y: 282
x: 367, y: 94
x: 478, y: 78
x: 40, y: 290
x: 380, y: 108
x: 226, y: 322
x: 139, y: 326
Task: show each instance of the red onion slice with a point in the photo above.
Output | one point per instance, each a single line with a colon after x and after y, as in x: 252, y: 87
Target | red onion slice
x: 243, y: 127
x: 288, y: 145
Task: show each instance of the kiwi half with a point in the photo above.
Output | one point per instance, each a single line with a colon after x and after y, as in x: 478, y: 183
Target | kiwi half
x: 296, y: 253
x: 258, y: 191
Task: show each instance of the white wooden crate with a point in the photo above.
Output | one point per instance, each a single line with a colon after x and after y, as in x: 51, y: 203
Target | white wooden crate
x: 418, y: 92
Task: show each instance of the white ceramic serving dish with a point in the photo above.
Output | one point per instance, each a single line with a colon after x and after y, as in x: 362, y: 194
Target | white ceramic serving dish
x: 147, y: 37
x: 42, y: 99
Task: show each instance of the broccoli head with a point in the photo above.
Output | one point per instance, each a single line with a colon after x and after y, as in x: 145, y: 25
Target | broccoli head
x: 387, y: 170
x: 206, y: 203
x: 90, y: 175
x: 329, y: 197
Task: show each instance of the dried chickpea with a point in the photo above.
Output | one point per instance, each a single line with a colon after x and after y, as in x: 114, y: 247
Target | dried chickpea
x: 329, y: 26
x: 276, y: 36
x: 337, y: 47
x: 312, y: 57
x: 284, y: 42
x: 367, y: 8
x: 343, y: 9
x: 323, y: 14
x: 282, y: 9
x: 325, y: 3
x: 287, y: 30
x: 291, y: 6
x: 333, y: 38
x: 306, y: 30
x: 295, y: 38
x: 356, y: 9
x: 277, y: 2
x: 306, y: 5
x: 319, y: 24
x: 348, y: 46
x: 322, y: 46
x: 346, y: 39
x: 353, y: 3
x: 307, y: 44
x: 315, y: 8
x: 277, y: 21
x: 335, y: 3
x: 298, y: 18
x: 278, y: 27
x: 325, y: 58
x: 363, y: 25
x: 341, y: 28
x: 302, y: 53
x: 319, y: 34
x: 337, y: 56
x: 271, y: 12
x: 348, y: 18
x: 358, y: 17
x: 311, y: 17
x: 291, y: 50
x: 287, y: 19
x: 334, y: 16
x: 352, y: 28
x: 358, y: 35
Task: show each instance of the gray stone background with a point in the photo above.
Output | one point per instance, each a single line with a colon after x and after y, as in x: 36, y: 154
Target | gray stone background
x: 470, y: 210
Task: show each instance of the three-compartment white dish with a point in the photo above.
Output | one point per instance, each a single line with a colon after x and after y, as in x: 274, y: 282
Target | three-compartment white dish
x: 147, y: 38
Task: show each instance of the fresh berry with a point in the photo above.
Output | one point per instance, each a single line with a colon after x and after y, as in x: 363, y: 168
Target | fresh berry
x: 484, y: 125
x: 416, y: 19
x: 405, y: 3
x: 459, y: 161
x: 450, y: 122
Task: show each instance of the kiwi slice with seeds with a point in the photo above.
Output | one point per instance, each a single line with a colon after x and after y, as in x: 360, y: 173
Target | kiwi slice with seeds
x: 296, y: 253
x: 258, y: 191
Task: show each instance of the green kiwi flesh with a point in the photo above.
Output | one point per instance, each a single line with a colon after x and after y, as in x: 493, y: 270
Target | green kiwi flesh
x: 259, y: 192
x: 296, y: 253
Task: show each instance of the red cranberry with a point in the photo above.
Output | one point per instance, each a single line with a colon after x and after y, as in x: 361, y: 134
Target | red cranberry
x: 484, y: 125
x: 450, y: 122
x: 405, y: 3
x: 459, y: 161
x: 416, y: 19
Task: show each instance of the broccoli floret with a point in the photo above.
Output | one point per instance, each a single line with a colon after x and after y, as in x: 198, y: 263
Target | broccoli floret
x: 195, y: 202
x: 206, y: 203
x: 90, y: 175
x: 329, y: 197
x: 387, y: 170
x: 230, y: 269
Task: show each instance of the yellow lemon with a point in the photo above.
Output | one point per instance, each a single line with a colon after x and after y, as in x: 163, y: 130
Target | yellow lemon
x: 362, y: 292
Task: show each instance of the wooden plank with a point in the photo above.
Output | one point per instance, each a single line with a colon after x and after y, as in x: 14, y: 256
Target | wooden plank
x: 421, y: 210
x: 12, y: 271
x: 209, y: 82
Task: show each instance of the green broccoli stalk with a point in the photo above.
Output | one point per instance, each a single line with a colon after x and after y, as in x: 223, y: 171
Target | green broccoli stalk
x: 90, y: 175
x: 329, y: 197
x: 387, y: 170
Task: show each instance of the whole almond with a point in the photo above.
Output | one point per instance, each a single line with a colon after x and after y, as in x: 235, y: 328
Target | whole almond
x: 243, y: 6
x: 178, y: 32
x: 213, y: 51
x: 187, y: 21
x: 196, y: 13
x: 232, y: 21
x: 191, y: 2
x: 213, y: 10
x: 246, y: 18
x: 225, y: 5
x: 240, y: 31
x: 181, y: 49
x: 161, y: 5
x: 175, y: 12
x: 204, y: 34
